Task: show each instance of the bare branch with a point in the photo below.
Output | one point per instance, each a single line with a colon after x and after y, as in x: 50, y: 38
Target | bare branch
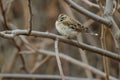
x: 39, y: 64
x: 30, y: 21
x: 107, y: 13
x: 100, y: 5
x: 84, y: 56
x: 13, y: 33
x: 6, y: 27
x: 37, y: 76
x: 90, y: 3
x: 3, y: 15
x: 58, y: 59
x: 108, y: 8
x: 88, y: 13
x: 71, y: 60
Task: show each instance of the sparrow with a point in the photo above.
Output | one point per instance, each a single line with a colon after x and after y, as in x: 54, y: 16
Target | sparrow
x: 68, y: 26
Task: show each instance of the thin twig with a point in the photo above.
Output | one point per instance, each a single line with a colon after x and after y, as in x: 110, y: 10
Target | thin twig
x: 100, y: 5
x: 84, y: 56
x: 8, y: 9
x: 58, y: 59
x: 39, y: 64
x: 105, y: 59
x: 4, y: 16
x: 30, y: 20
x: 88, y: 3
x: 26, y: 43
x: 107, y: 13
x: 31, y: 48
x: 116, y: 33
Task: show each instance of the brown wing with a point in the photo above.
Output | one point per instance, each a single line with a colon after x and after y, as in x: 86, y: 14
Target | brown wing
x: 75, y: 25
x: 79, y: 25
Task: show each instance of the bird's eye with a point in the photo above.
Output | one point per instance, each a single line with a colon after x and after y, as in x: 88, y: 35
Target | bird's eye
x: 62, y: 17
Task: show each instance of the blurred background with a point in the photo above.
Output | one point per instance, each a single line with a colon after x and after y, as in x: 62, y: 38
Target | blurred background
x: 44, y: 15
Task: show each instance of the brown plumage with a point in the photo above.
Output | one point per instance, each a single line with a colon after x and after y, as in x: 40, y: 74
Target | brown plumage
x: 68, y: 27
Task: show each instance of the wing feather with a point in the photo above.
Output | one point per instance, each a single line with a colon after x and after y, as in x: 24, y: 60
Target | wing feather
x: 73, y: 24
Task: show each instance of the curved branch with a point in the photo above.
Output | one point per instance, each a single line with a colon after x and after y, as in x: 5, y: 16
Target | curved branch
x: 13, y: 33
x: 88, y: 13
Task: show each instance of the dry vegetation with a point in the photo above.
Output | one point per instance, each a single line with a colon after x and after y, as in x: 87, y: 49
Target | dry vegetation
x: 31, y: 48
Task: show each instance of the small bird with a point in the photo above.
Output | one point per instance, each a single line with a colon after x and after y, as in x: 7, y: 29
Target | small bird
x: 68, y: 27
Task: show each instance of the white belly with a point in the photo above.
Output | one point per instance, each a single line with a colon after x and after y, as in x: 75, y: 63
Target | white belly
x: 65, y: 30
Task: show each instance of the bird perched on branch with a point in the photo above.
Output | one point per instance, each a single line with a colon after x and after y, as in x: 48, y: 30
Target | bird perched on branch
x: 68, y: 27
